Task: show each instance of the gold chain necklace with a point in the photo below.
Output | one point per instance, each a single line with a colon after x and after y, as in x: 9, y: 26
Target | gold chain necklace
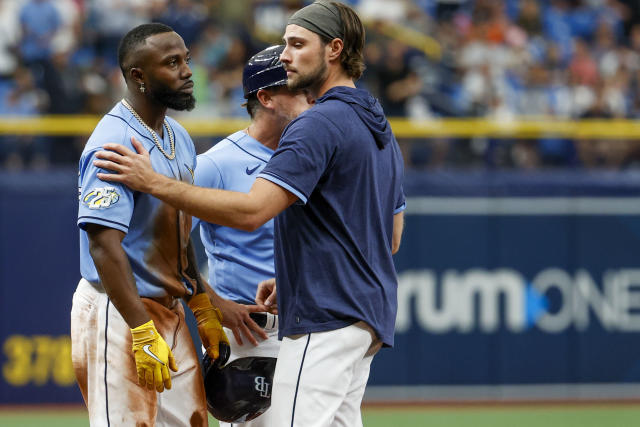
x: 156, y: 140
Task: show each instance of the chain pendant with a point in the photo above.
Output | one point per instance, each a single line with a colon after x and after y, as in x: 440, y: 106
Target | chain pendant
x: 156, y: 140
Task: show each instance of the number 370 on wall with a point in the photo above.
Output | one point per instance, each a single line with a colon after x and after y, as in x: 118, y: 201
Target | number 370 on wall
x: 37, y: 360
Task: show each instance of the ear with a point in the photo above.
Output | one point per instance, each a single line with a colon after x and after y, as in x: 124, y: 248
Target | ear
x: 264, y: 97
x: 136, y: 75
x: 334, y: 49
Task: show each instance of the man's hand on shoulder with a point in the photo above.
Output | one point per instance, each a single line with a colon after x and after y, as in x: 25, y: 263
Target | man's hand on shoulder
x: 130, y: 168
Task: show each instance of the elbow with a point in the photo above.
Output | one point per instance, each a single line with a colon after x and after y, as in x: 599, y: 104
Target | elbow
x: 96, y: 250
x: 248, y: 226
x: 251, y: 223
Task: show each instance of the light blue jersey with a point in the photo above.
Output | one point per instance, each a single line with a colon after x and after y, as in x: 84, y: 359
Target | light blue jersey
x: 156, y: 233
x: 238, y: 260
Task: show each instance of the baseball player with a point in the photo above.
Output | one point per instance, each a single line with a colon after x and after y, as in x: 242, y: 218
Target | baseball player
x: 239, y: 260
x: 335, y: 184
x: 129, y: 339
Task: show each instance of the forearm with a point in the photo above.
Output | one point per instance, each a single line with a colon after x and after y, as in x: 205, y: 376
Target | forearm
x: 114, y: 270
x: 247, y: 212
x: 226, y: 208
x: 216, y: 299
x: 118, y: 282
x: 398, y: 228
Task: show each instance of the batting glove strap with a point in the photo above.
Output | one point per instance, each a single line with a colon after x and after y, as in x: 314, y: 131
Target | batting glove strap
x: 209, y: 321
x: 153, y: 357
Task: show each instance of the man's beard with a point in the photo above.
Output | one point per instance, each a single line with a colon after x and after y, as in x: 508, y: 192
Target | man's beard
x: 311, y: 80
x: 174, y: 99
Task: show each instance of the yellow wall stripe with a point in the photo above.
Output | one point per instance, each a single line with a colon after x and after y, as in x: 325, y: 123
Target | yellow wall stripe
x: 403, y: 128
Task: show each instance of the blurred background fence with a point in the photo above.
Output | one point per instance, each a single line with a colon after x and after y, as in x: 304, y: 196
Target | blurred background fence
x: 519, y: 270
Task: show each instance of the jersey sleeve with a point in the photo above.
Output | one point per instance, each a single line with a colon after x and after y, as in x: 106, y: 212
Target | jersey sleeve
x: 207, y: 174
x: 99, y: 202
x: 303, y: 155
x: 400, y: 200
x: 401, y: 203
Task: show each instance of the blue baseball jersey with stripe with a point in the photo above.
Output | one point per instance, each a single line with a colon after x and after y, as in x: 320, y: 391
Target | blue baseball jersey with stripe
x: 157, y: 234
x: 333, y: 246
x: 238, y: 260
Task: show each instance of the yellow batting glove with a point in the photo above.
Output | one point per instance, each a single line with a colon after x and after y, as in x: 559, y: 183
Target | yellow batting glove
x: 153, y: 357
x: 209, y: 321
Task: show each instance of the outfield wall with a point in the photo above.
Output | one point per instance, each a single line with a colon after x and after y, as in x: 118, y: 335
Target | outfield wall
x: 507, y: 281
x: 511, y: 280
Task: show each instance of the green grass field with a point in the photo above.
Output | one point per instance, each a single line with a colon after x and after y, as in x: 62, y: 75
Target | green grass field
x: 450, y: 416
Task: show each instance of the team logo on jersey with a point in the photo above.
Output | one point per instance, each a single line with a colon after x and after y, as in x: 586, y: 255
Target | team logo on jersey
x: 99, y: 198
x: 252, y: 170
x: 263, y: 387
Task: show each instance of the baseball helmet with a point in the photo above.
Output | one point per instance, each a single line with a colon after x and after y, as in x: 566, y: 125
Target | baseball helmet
x: 264, y: 70
x: 240, y: 390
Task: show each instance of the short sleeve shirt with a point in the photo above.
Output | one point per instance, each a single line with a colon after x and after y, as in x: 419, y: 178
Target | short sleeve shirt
x: 157, y: 234
x: 333, y: 247
x: 238, y: 260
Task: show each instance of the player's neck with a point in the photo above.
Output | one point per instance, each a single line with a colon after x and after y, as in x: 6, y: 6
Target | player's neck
x: 335, y: 77
x: 151, y: 113
x: 265, y: 132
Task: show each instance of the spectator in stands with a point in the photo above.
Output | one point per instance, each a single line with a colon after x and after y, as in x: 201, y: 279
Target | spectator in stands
x: 529, y: 18
x: 399, y: 82
x: 109, y: 20
x: 22, y: 98
x: 186, y: 17
x: 39, y: 20
x: 9, y: 37
x: 504, y: 60
x: 228, y: 77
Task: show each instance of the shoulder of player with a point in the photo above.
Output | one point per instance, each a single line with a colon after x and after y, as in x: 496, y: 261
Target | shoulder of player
x: 231, y: 148
x: 116, y: 128
x: 316, y: 121
x: 226, y: 156
x: 219, y: 148
x: 332, y: 108
x: 111, y: 128
x: 206, y: 161
x: 217, y: 154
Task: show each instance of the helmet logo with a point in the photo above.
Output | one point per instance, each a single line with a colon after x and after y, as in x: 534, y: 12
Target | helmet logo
x: 263, y: 387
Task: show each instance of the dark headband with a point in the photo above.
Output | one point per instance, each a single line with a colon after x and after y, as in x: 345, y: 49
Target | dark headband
x: 321, y: 17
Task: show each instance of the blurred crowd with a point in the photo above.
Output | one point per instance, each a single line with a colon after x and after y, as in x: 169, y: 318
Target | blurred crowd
x: 425, y: 59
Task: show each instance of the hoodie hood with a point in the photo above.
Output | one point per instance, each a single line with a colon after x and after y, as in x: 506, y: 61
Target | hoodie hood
x: 367, y: 108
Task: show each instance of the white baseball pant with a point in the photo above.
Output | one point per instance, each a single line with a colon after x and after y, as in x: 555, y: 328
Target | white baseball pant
x: 105, y: 366
x: 320, y: 378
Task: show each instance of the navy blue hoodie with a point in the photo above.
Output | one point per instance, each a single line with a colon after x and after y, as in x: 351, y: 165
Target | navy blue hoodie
x: 333, y: 248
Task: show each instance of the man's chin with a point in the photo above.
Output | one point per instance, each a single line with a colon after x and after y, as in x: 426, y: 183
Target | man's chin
x: 186, y: 103
x: 298, y: 84
x: 174, y: 100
